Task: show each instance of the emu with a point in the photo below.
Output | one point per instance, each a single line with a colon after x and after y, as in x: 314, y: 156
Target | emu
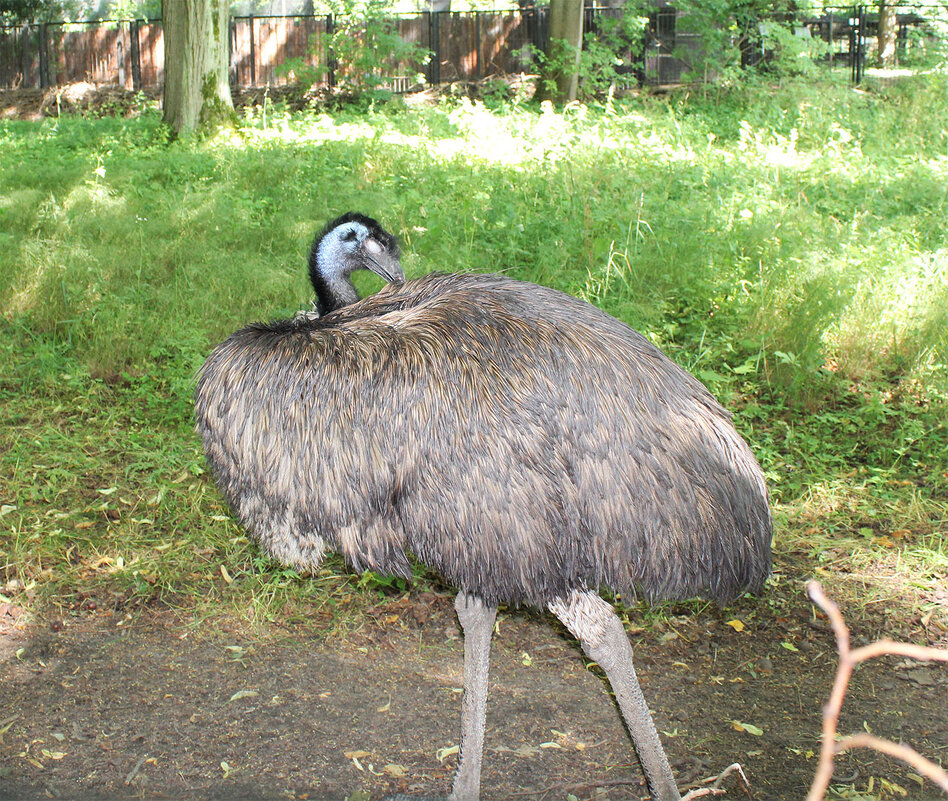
x: 526, y: 445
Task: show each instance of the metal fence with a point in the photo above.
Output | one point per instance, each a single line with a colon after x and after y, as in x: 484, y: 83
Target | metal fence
x: 465, y: 47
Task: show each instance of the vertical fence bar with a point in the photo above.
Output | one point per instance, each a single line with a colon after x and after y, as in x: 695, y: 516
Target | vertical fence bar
x: 135, y: 49
x: 857, y: 43
x: 42, y: 47
x: 253, y: 53
x: 477, y: 45
x: 26, y: 63
x: 853, y: 42
x: 829, y: 38
x: 331, y: 54
x: 434, y: 45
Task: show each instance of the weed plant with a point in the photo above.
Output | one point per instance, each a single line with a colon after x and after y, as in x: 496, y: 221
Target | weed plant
x: 784, y: 243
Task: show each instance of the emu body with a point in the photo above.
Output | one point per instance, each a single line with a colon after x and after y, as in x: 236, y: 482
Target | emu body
x: 526, y: 445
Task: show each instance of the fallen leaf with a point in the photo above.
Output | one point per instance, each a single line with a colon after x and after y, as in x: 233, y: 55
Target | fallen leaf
x: 444, y: 753
x: 736, y: 624
x: 789, y: 646
x: 747, y: 727
x: 526, y: 659
x: 53, y: 754
x: 395, y: 770
x: 107, y: 490
x: 226, y: 768
x: 356, y: 754
x: 243, y: 694
x: 6, y: 508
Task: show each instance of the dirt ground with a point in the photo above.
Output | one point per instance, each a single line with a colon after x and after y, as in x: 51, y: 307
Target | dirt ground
x: 87, y: 98
x: 104, y: 705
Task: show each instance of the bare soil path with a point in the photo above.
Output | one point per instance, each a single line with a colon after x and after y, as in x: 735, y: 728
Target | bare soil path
x: 103, y: 706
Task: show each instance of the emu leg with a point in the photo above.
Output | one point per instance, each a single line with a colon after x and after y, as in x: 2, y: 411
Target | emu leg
x: 477, y: 620
x: 595, y: 624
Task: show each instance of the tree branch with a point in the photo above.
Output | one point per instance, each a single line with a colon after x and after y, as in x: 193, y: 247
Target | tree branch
x: 848, y: 659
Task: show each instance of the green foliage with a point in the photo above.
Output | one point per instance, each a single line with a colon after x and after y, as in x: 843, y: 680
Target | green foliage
x: 616, y: 44
x: 16, y: 12
x: 366, y: 48
x: 735, y: 34
x: 770, y: 238
x: 926, y: 46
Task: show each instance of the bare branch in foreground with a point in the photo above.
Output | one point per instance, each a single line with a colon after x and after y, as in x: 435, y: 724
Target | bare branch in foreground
x: 848, y: 659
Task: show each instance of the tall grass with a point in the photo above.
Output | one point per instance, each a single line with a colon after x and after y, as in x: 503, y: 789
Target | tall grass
x: 785, y: 243
x: 812, y: 224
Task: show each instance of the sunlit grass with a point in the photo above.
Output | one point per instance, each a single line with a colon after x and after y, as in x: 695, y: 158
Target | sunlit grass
x: 786, y: 246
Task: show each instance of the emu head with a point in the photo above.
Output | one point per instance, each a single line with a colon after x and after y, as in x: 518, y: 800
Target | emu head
x: 351, y: 242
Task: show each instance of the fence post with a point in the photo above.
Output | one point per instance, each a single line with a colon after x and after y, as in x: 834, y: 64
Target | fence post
x: 434, y: 45
x: 857, y: 43
x: 135, y: 52
x: 253, y: 53
x: 26, y: 64
x: 42, y: 47
x: 331, y: 54
x: 829, y: 38
x: 477, y: 45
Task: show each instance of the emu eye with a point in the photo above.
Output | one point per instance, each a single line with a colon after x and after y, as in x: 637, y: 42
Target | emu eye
x: 349, y: 236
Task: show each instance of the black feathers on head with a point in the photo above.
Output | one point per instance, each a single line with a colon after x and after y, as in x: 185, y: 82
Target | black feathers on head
x: 376, y: 231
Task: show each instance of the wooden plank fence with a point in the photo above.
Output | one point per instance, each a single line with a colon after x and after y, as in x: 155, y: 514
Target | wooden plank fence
x: 466, y: 46
x: 130, y: 54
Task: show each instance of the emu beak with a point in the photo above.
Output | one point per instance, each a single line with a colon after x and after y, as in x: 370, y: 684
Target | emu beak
x: 381, y: 262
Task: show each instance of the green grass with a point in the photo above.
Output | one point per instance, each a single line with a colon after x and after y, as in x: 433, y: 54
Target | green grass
x: 784, y: 243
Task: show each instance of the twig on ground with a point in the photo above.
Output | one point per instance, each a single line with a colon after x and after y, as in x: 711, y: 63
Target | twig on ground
x: 717, y: 781
x: 848, y: 659
x: 134, y: 772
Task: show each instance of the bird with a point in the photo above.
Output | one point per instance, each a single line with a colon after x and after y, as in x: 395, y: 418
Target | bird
x: 525, y: 445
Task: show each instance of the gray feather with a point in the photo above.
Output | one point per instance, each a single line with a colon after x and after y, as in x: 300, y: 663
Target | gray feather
x: 517, y: 440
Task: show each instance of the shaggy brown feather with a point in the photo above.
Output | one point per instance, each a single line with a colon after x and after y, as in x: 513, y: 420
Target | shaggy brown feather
x: 519, y: 441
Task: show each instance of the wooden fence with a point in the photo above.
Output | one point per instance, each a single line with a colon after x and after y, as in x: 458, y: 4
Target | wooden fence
x: 130, y: 54
x: 465, y: 46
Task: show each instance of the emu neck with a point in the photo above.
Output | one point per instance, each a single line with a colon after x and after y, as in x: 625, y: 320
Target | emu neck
x: 333, y: 292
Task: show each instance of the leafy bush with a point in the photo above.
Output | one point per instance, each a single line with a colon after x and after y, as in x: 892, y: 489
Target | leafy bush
x: 365, y: 49
x: 608, y: 53
x: 737, y: 37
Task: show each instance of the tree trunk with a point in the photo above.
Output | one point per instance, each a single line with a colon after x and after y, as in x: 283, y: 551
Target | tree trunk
x: 566, y: 42
x: 197, y: 90
x: 888, y: 31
